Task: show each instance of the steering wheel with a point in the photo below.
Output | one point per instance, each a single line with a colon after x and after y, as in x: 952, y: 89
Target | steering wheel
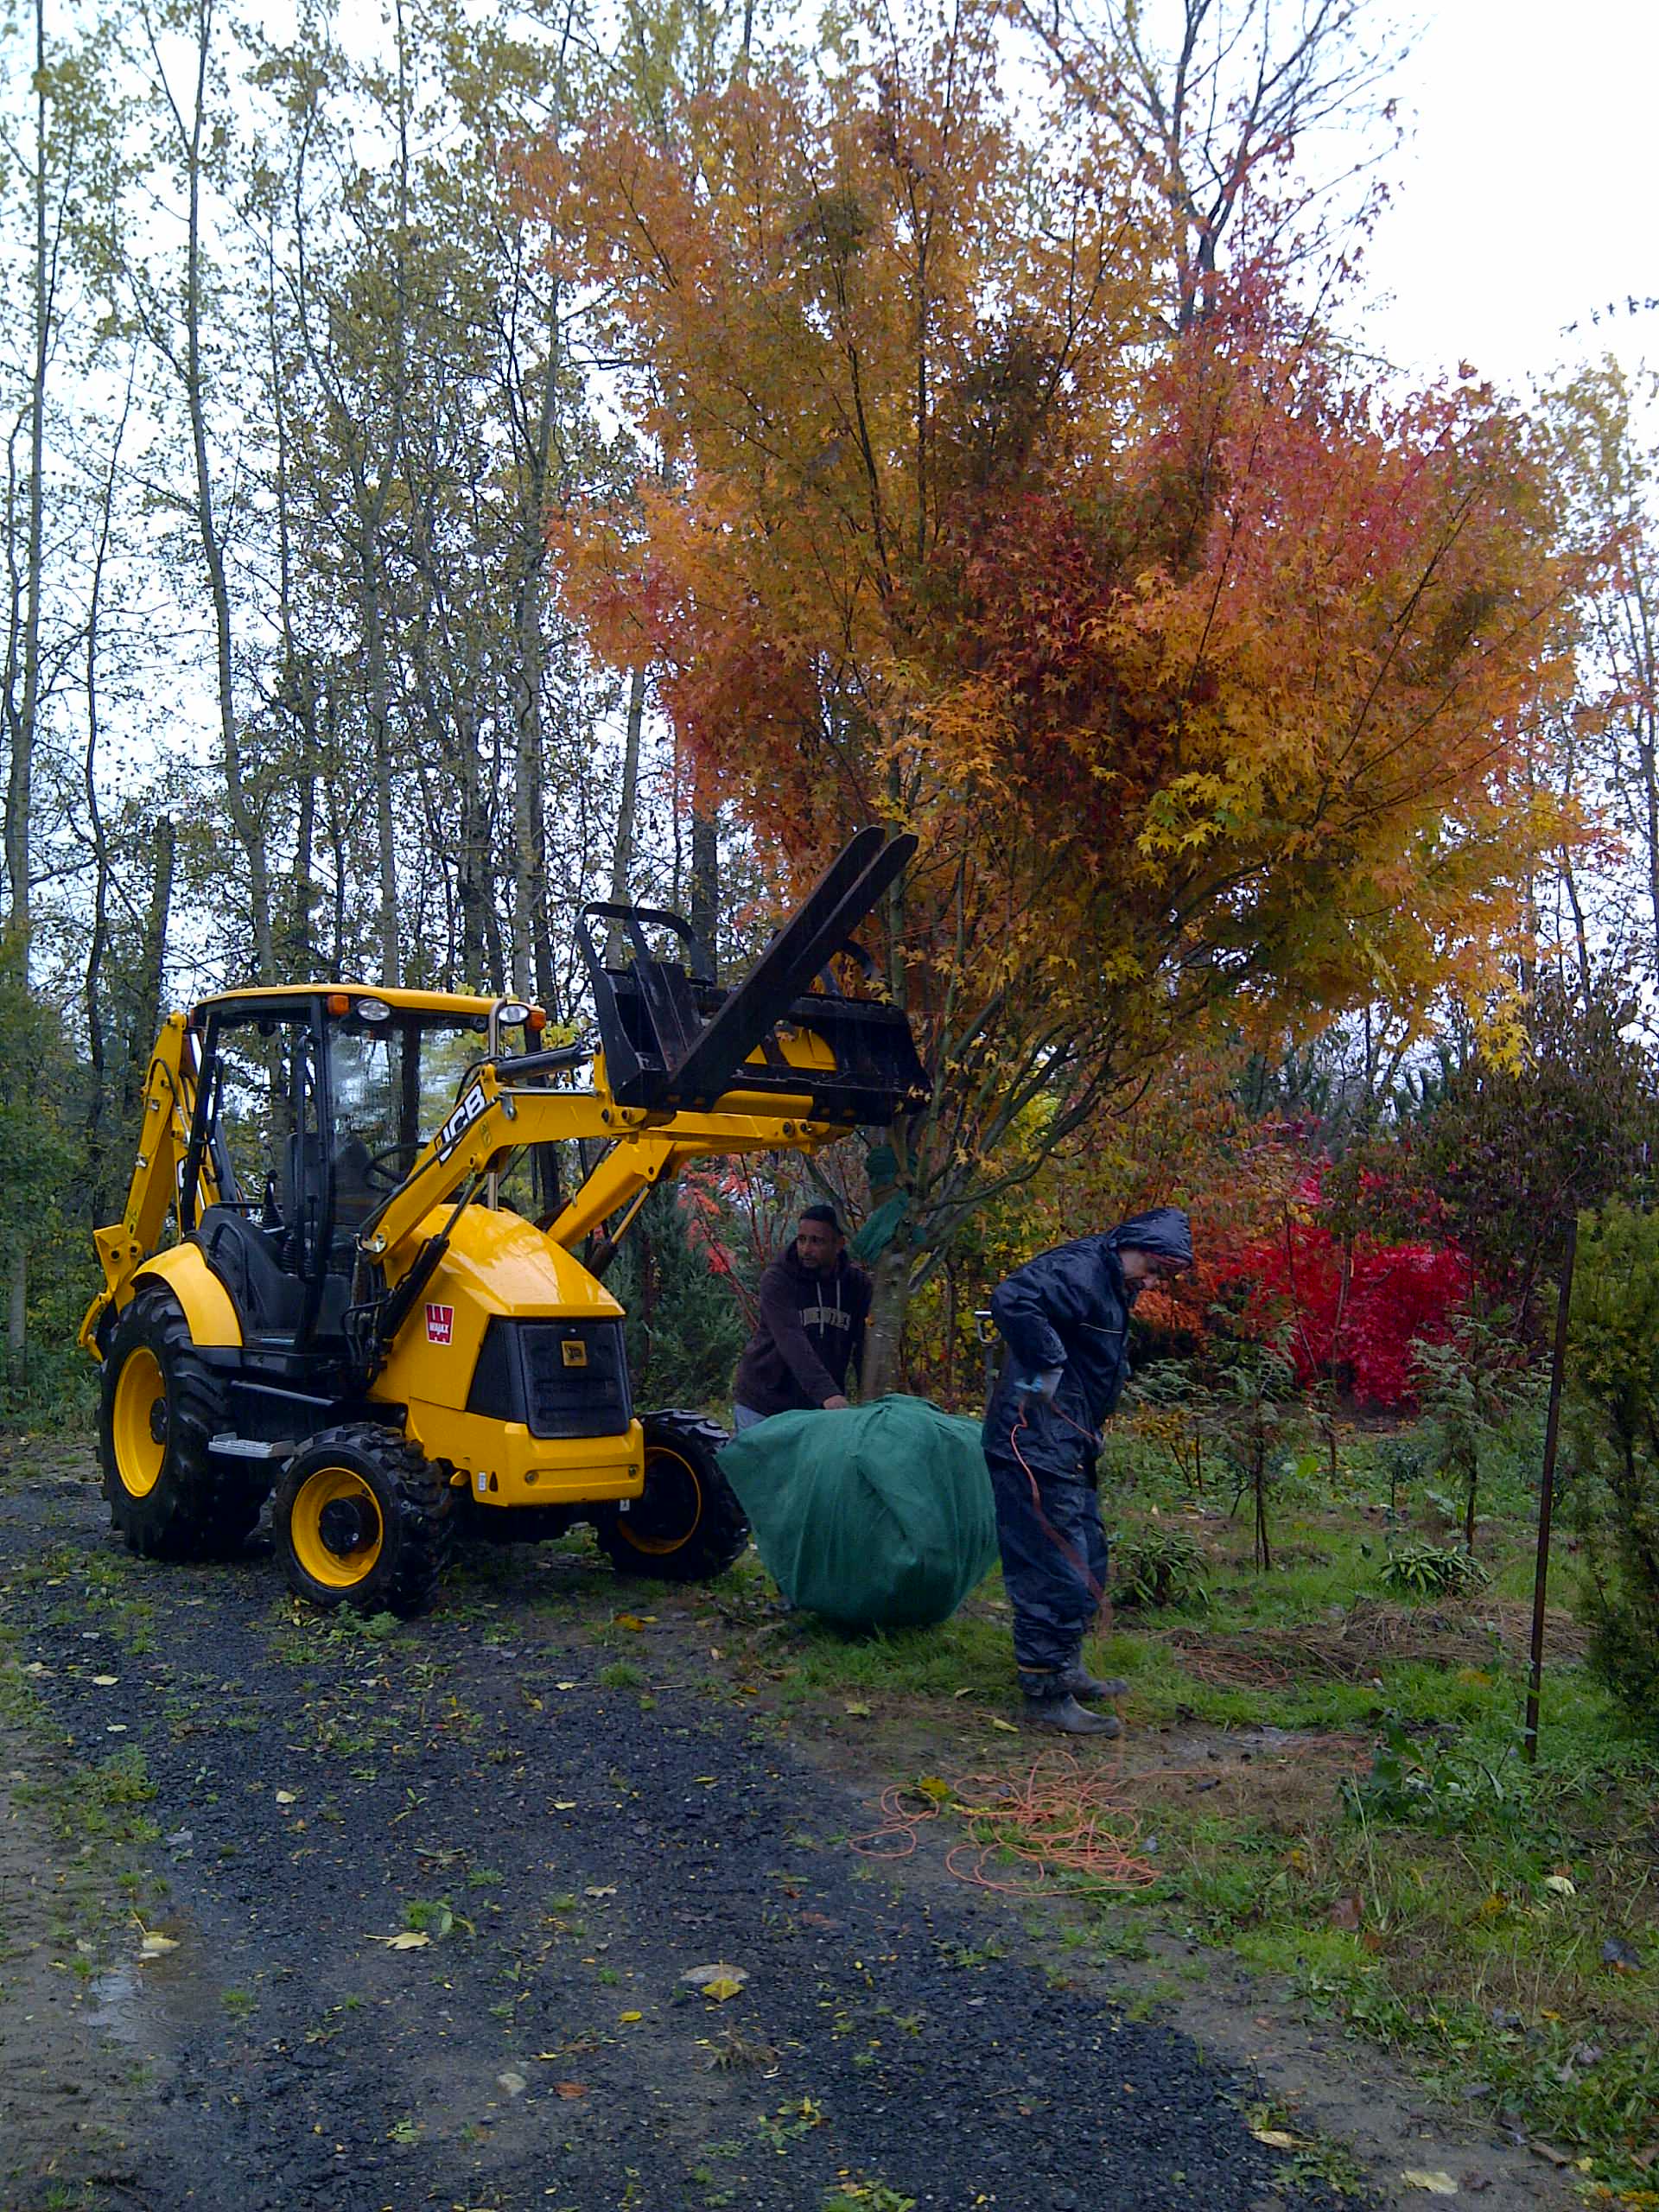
x: 386, y: 1170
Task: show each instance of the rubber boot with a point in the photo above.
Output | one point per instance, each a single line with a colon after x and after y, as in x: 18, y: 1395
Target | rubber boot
x: 1079, y: 1683
x: 1071, y: 1718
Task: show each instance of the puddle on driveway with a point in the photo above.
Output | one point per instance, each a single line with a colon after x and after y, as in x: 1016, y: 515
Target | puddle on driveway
x: 111, y: 2003
x: 145, y: 2002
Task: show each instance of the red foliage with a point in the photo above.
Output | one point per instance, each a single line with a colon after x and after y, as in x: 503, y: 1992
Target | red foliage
x: 1290, y: 1288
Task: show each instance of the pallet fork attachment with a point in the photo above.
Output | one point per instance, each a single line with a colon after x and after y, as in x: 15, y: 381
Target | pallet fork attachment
x: 675, y: 1043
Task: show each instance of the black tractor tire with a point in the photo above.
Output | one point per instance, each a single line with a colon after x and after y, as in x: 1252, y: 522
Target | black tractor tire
x: 687, y: 1525
x: 162, y: 1404
x: 362, y: 1519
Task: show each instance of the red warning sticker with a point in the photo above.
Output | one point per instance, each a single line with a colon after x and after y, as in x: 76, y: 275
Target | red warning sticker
x: 439, y: 1324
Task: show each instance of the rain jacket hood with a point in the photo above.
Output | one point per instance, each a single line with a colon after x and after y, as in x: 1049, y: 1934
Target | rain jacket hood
x: 1166, y: 1230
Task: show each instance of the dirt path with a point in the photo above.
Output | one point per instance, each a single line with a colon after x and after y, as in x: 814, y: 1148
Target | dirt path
x: 575, y: 1813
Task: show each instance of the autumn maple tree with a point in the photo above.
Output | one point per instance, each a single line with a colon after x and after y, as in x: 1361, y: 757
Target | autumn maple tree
x: 1200, y: 667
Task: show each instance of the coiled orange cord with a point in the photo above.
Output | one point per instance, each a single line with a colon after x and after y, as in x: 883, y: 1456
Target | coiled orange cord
x: 1068, y: 1826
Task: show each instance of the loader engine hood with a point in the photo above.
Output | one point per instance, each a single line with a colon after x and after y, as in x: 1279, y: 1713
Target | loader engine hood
x: 498, y: 1267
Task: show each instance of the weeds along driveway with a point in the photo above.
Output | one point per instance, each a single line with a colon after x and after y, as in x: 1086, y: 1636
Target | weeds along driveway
x: 433, y: 1896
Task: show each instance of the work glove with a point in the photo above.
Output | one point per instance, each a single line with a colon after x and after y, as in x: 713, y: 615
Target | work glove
x: 1043, y: 1385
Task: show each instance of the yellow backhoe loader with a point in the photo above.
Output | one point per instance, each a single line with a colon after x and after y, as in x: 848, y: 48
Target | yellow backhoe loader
x: 346, y: 1270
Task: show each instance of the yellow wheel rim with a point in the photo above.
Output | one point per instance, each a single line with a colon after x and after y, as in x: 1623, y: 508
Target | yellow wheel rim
x: 140, y: 1410
x: 670, y: 1517
x: 335, y: 1528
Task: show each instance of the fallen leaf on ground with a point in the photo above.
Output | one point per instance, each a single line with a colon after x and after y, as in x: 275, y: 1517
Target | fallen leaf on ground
x: 105, y: 1681
x: 411, y: 1940
x: 931, y: 1785
x: 719, y: 1980
x: 569, y: 2090
x: 1552, y: 2151
x: 604, y: 1891
x: 1006, y: 1726
x: 37, y: 1668
x: 564, y: 1804
x: 155, y: 1947
x: 634, y: 1620
x: 567, y: 1686
x: 1436, y: 2183
x: 287, y: 1797
x: 1561, y: 1885
x: 629, y: 2018
x: 859, y: 1711
x: 1276, y: 2139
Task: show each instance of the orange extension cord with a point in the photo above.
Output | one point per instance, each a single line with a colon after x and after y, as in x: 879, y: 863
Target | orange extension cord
x: 1068, y: 1826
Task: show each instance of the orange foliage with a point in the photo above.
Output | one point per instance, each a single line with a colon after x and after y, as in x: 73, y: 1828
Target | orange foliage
x: 1204, y: 671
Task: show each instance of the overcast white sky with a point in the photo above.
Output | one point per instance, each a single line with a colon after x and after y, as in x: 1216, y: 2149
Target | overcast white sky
x: 1526, y: 198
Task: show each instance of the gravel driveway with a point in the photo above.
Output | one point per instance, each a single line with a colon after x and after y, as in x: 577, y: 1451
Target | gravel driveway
x: 574, y: 1813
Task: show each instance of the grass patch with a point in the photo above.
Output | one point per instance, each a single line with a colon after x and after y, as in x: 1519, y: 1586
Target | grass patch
x: 1334, y: 1789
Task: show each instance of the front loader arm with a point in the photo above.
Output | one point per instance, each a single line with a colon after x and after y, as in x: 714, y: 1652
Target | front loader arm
x: 491, y: 1119
x: 169, y: 1105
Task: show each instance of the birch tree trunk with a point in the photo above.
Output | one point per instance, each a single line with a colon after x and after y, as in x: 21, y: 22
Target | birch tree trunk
x: 23, y: 698
x: 244, y: 809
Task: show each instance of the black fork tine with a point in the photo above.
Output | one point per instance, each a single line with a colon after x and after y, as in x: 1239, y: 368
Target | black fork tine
x: 859, y: 875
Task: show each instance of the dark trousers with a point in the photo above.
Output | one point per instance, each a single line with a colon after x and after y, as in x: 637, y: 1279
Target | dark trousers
x: 1053, y: 1548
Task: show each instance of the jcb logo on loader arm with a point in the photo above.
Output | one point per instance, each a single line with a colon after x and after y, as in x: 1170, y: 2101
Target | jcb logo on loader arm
x: 461, y: 1121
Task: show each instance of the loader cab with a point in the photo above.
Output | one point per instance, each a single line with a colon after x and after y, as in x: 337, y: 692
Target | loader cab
x: 311, y: 1109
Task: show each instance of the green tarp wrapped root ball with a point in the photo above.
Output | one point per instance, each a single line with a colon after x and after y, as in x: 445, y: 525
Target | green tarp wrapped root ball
x: 877, y: 1515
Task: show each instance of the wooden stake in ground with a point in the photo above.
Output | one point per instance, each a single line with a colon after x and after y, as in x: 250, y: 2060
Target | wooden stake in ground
x: 1547, y: 1488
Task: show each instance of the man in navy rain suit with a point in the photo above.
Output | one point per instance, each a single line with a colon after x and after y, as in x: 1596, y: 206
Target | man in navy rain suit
x: 1064, y: 1317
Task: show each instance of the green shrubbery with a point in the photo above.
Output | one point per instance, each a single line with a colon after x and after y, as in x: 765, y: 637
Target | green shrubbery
x: 1427, y: 1570
x: 1613, y: 1382
x: 1157, y: 1566
x: 685, y: 1327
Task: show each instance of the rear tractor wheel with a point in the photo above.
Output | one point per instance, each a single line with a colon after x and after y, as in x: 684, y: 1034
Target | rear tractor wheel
x: 362, y: 1519
x: 687, y: 1525
x: 162, y: 1404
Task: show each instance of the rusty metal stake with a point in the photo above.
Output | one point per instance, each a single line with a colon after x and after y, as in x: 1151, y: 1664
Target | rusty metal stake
x: 1547, y: 1488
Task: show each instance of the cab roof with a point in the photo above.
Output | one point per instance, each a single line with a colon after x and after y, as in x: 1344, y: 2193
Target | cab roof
x: 464, y: 1005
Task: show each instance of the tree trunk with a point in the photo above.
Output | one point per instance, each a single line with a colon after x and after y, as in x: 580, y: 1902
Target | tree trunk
x: 152, y: 976
x: 1264, y: 1555
x: 884, y: 1336
x: 622, y: 852
x: 473, y: 882
x: 298, y: 689
x: 705, y: 888
x: 244, y: 813
x: 18, y: 1321
x: 97, y: 1099
x: 379, y: 714
x: 532, y: 950
x: 22, y: 711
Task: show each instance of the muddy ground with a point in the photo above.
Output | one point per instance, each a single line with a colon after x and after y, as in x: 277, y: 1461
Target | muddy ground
x: 295, y: 1913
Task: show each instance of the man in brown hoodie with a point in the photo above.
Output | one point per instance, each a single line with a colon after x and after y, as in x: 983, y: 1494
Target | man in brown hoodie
x: 813, y: 1303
